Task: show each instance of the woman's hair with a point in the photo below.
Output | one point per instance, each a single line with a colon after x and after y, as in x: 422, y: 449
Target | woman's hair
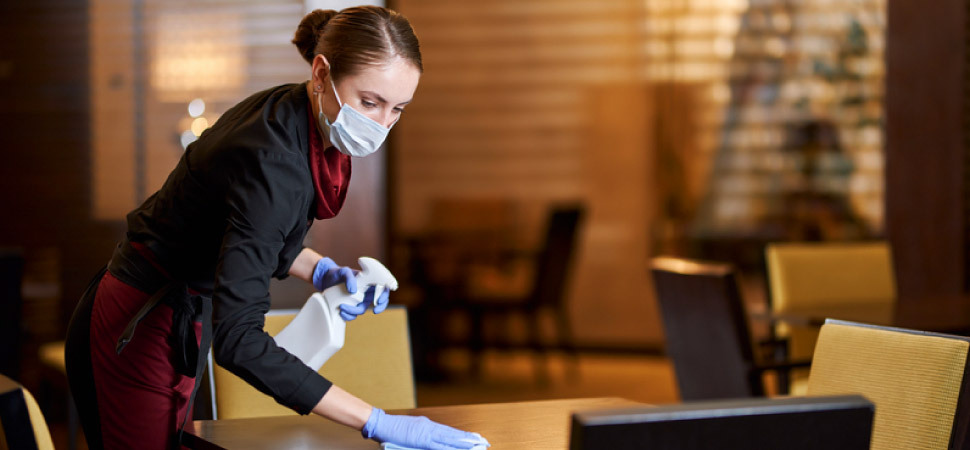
x: 356, y: 37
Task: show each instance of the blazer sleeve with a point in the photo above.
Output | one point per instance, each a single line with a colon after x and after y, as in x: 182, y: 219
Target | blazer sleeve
x: 263, y: 209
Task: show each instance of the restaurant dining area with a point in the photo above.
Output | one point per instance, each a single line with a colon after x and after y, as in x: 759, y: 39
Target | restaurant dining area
x: 439, y: 224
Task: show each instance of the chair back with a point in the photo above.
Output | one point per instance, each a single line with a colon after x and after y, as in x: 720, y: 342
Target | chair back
x: 555, y: 259
x: 815, y: 275
x: 917, y: 380
x: 23, y: 423
x: 841, y: 422
x: 374, y: 364
x: 706, y: 329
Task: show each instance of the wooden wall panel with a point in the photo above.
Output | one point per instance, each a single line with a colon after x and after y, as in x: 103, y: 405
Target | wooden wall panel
x: 926, y: 156
x: 539, y: 102
x: 112, y: 93
x: 45, y: 186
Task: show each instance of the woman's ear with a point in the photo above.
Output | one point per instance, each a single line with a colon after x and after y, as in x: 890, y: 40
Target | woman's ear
x: 321, y: 69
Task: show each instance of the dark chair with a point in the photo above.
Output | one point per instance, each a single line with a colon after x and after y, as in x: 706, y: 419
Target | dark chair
x: 707, y: 334
x: 546, y: 292
x: 842, y: 422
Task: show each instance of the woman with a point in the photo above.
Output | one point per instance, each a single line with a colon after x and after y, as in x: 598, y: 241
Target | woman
x: 232, y: 214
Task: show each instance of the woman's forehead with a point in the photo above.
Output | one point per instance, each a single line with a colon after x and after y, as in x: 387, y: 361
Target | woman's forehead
x: 395, y: 82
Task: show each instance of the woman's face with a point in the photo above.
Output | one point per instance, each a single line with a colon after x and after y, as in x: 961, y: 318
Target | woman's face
x: 379, y: 92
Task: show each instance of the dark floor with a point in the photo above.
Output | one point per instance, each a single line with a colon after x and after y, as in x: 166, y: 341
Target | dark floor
x: 512, y: 376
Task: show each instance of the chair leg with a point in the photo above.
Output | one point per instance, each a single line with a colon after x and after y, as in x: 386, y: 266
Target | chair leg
x: 476, y: 341
x: 535, y: 341
x: 782, y: 377
x: 564, y: 336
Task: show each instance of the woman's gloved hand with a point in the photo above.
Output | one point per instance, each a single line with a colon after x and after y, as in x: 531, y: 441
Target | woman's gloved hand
x: 350, y: 312
x: 327, y: 273
x: 417, y: 432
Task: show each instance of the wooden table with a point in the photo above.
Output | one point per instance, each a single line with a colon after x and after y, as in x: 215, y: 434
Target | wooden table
x: 534, y: 425
x: 946, y: 314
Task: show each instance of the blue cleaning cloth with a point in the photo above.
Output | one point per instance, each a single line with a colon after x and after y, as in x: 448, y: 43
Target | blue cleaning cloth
x: 482, y: 445
x: 392, y: 446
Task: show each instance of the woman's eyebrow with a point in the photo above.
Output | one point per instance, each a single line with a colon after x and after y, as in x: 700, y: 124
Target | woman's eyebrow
x: 381, y: 99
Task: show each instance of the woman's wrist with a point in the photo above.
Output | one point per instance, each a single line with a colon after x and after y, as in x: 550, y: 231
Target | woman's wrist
x: 344, y: 408
x: 304, y: 264
x: 369, y: 427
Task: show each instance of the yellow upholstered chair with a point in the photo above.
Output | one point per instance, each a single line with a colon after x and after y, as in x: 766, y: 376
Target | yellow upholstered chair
x: 815, y: 275
x: 917, y: 381
x: 374, y: 364
x: 23, y: 423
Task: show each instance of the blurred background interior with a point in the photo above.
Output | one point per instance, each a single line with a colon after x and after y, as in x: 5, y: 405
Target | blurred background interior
x: 553, y: 149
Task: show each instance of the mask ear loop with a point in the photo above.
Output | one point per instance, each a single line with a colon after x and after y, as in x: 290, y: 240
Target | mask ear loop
x: 335, y: 94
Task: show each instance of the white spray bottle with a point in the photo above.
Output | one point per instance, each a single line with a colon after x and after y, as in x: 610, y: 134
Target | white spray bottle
x: 317, y: 331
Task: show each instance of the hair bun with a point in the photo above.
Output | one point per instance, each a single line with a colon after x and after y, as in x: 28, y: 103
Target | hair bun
x: 308, y: 32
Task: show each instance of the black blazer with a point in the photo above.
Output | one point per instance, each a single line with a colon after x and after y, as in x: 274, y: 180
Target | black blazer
x: 233, y: 213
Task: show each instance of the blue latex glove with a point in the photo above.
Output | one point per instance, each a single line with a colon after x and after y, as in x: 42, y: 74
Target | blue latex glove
x: 417, y: 432
x: 350, y: 312
x: 327, y: 273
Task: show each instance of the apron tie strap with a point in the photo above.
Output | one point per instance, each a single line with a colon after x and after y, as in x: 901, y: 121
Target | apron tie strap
x: 141, y: 314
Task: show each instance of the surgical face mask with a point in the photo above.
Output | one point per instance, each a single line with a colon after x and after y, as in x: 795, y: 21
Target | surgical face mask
x: 352, y: 133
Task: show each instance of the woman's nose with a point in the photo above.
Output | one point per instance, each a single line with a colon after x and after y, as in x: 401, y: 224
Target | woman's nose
x: 387, y: 118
